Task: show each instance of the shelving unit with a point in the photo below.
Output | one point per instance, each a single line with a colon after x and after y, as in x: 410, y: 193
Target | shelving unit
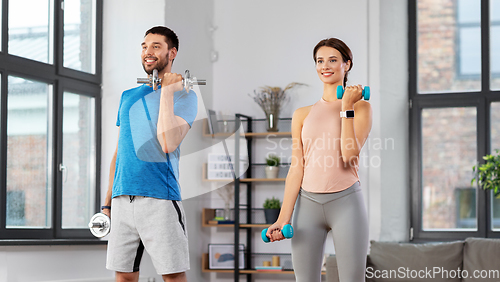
x: 244, y: 210
x: 204, y: 268
x: 205, y: 179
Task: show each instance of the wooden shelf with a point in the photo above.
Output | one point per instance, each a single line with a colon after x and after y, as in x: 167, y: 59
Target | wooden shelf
x: 262, y: 225
x: 251, y: 134
x: 204, y: 268
x: 270, y: 134
x: 204, y: 178
x: 206, y: 133
x: 209, y: 214
x: 246, y: 180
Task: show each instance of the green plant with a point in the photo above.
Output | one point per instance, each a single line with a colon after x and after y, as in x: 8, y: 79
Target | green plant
x: 272, y: 204
x: 488, y: 174
x: 273, y: 160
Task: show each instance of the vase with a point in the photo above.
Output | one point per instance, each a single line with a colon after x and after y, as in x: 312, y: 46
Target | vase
x: 227, y: 212
x: 272, y: 122
x: 272, y: 171
x: 271, y: 215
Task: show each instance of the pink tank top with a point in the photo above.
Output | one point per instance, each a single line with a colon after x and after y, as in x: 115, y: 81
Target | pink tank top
x: 324, y: 169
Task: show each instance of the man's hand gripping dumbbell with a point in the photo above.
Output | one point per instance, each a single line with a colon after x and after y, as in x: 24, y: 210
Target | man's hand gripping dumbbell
x: 187, y: 81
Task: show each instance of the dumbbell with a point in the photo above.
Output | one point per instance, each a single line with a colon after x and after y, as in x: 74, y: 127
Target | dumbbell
x: 287, y: 231
x: 100, y: 225
x: 187, y: 80
x: 365, y: 94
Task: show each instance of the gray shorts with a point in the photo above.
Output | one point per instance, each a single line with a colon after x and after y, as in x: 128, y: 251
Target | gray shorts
x: 157, y: 225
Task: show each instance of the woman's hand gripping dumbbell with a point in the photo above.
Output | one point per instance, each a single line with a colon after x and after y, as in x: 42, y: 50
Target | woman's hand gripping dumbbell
x: 364, y: 94
x: 285, y: 233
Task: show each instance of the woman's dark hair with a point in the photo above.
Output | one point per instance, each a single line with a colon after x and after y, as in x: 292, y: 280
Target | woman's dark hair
x: 341, y: 47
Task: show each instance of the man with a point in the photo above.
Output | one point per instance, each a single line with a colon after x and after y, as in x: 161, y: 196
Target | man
x: 143, y: 190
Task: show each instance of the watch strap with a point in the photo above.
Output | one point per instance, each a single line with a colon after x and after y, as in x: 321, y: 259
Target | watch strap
x: 347, y: 114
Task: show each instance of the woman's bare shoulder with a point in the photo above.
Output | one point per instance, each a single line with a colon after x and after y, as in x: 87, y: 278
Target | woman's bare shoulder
x: 301, y: 113
x: 298, y: 118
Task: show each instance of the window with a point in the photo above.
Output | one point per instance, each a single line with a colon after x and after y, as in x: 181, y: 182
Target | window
x: 454, y: 82
x: 31, y: 30
x: 495, y: 44
x: 28, y: 142
x: 50, y: 118
x: 495, y: 144
x: 445, y: 172
x: 469, y: 38
x: 78, y: 181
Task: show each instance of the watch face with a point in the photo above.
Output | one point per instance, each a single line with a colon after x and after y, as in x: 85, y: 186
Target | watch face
x: 349, y: 114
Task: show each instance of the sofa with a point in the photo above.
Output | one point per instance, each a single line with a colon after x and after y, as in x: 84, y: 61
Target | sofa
x: 475, y: 259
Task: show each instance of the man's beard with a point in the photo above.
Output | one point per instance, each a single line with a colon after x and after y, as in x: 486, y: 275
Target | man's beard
x: 159, y: 66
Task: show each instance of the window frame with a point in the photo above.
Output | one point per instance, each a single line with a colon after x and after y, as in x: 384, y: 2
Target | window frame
x: 480, y: 99
x: 62, y: 80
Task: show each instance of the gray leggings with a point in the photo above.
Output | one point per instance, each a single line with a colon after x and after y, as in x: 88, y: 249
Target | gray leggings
x: 315, y: 214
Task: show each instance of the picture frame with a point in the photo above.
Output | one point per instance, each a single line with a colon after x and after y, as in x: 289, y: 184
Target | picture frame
x: 221, y: 256
x: 212, y: 122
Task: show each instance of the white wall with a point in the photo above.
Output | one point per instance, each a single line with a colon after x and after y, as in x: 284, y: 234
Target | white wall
x: 394, y: 121
x: 258, y: 43
x: 271, y: 42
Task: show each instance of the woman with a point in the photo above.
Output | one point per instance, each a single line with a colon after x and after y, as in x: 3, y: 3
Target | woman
x: 323, y: 182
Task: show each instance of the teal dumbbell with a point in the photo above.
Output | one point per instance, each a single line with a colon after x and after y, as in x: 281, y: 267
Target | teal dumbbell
x: 287, y: 231
x: 365, y: 94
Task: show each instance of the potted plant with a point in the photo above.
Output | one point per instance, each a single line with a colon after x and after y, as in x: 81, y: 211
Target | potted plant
x: 488, y: 174
x: 272, y: 168
x: 272, y: 210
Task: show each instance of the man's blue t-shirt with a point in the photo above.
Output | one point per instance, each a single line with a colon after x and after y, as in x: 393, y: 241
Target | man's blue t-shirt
x: 142, y: 168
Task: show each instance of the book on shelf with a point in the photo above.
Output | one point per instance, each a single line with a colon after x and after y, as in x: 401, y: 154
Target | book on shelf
x: 269, y: 268
x: 212, y: 122
x: 221, y: 222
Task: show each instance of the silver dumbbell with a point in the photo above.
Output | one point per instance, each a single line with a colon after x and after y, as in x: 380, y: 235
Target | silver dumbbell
x: 100, y: 225
x: 187, y: 80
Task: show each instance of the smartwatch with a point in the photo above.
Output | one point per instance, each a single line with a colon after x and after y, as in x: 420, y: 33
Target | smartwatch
x: 347, y: 114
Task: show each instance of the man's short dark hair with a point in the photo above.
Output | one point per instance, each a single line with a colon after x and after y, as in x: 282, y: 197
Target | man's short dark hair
x: 170, y: 36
